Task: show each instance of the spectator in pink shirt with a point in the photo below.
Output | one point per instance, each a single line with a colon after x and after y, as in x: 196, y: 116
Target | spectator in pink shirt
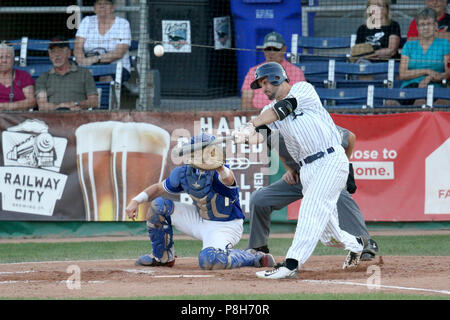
x: 274, y: 50
x: 16, y: 86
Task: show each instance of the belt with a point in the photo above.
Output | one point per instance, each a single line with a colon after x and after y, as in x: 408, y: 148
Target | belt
x: 315, y: 156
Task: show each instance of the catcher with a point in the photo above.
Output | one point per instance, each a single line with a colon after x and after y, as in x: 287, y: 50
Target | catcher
x: 215, y: 218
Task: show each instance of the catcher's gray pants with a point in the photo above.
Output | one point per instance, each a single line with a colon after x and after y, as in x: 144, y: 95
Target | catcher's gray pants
x: 279, y: 194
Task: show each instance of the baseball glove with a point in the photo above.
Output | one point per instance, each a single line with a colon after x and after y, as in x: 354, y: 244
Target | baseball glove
x: 211, y: 157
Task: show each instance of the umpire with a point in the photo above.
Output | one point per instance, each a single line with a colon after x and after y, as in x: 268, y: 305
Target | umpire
x: 289, y: 189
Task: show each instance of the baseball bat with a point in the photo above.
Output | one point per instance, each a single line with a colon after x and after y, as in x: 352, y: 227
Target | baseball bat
x: 190, y: 148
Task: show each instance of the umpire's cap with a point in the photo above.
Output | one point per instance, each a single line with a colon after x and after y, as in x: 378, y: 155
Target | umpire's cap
x: 274, y: 72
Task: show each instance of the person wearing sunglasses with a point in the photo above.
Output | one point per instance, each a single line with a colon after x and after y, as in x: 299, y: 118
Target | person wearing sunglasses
x: 274, y: 51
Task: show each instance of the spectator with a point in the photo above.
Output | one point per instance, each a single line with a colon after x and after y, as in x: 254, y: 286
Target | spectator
x: 443, y: 20
x: 16, y: 86
x: 380, y: 31
x: 274, y: 50
x: 66, y: 85
x: 424, y: 61
x: 103, y: 38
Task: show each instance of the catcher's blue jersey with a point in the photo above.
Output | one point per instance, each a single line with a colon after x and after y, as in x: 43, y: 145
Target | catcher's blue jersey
x: 214, y: 200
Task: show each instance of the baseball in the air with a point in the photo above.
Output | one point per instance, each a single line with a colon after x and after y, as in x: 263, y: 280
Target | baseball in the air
x: 158, y: 50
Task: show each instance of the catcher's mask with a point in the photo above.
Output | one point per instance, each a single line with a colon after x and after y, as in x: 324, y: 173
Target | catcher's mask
x: 274, y: 72
x: 202, y: 137
x: 208, y: 158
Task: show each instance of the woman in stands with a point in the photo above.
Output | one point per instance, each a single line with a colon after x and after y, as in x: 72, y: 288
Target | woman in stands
x: 425, y: 61
x: 103, y: 38
x: 380, y: 31
x: 16, y: 86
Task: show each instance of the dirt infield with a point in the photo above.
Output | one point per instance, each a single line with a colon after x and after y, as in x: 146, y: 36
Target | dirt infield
x: 321, y: 274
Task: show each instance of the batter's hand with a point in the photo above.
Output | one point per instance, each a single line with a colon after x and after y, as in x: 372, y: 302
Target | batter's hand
x: 132, y: 209
x: 291, y: 177
x: 244, y: 133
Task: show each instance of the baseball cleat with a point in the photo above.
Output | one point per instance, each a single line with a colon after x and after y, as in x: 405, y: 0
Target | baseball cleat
x: 367, y: 256
x: 279, y: 272
x: 149, y: 261
x: 353, y: 258
x: 267, y: 260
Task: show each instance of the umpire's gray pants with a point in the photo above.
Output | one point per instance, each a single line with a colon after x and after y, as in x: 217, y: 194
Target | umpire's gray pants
x: 279, y: 194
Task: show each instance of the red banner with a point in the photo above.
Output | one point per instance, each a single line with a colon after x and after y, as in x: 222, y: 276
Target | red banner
x: 402, y: 166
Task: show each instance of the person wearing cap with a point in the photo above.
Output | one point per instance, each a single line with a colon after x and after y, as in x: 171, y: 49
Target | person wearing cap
x: 16, y: 86
x: 66, y: 86
x: 274, y: 50
x: 104, y: 38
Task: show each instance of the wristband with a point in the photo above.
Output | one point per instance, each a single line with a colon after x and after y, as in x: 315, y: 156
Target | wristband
x: 141, y: 197
x: 224, y: 173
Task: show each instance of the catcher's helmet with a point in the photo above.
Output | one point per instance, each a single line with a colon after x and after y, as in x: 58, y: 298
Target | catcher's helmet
x: 274, y: 72
x: 202, y: 137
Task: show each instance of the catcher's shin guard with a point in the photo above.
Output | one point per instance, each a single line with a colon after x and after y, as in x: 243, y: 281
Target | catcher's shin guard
x: 211, y: 258
x: 159, y: 228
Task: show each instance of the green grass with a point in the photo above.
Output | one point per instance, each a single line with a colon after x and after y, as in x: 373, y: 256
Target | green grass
x: 262, y: 297
x: 426, y: 245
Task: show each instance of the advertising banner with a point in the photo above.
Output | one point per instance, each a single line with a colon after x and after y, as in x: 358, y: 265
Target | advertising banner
x: 87, y: 166
x: 401, y: 164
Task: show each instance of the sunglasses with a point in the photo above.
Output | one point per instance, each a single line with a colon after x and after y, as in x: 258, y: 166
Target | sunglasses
x: 272, y: 49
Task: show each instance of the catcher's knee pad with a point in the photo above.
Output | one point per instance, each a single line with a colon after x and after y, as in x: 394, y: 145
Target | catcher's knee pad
x: 159, y: 228
x: 211, y: 258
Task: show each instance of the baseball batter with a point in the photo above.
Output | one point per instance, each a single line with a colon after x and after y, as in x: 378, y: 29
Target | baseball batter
x: 215, y: 218
x: 314, y: 142
x: 289, y: 189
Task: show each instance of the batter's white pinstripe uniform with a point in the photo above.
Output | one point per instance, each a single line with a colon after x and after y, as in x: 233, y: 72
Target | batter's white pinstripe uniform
x: 307, y: 131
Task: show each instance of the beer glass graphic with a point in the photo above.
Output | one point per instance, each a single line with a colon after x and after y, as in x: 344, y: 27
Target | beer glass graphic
x: 138, y: 157
x: 116, y: 161
x: 94, y: 169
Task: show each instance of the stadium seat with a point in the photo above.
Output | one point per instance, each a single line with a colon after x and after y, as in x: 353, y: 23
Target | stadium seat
x: 346, y: 74
x: 315, y: 72
x: 110, y: 91
x: 36, y: 70
x: 305, y: 49
x: 430, y: 93
x: 39, y: 46
x: 343, y: 98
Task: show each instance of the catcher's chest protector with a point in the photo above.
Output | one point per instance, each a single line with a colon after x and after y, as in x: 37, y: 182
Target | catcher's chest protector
x: 210, y: 204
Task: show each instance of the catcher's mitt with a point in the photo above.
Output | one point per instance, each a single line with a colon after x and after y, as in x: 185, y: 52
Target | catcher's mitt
x: 210, y: 158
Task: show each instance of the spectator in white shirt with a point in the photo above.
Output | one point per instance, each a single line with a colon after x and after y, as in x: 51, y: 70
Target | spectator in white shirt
x: 103, y: 38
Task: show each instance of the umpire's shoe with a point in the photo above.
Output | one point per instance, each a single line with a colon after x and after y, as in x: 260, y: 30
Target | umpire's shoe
x: 263, y: 248
x: 353, y: 258
x: 370, y: 253
x: 280, y: 271
x: 149, y: 261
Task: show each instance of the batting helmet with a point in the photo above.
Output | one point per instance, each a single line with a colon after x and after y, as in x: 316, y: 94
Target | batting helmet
x: 274, y: 72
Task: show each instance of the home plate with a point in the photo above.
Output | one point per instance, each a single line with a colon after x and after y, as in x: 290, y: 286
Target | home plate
x: 169, y: 275
x: 186, y: 276
x: 139, y: 271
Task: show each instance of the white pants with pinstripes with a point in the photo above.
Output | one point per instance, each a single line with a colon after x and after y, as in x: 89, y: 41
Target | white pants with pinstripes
x: 323, y: 181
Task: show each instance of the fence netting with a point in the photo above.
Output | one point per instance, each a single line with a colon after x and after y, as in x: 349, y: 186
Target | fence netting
x: 360, y: 55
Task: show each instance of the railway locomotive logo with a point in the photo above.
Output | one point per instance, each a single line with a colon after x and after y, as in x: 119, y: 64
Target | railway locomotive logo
x: 30, y: 178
